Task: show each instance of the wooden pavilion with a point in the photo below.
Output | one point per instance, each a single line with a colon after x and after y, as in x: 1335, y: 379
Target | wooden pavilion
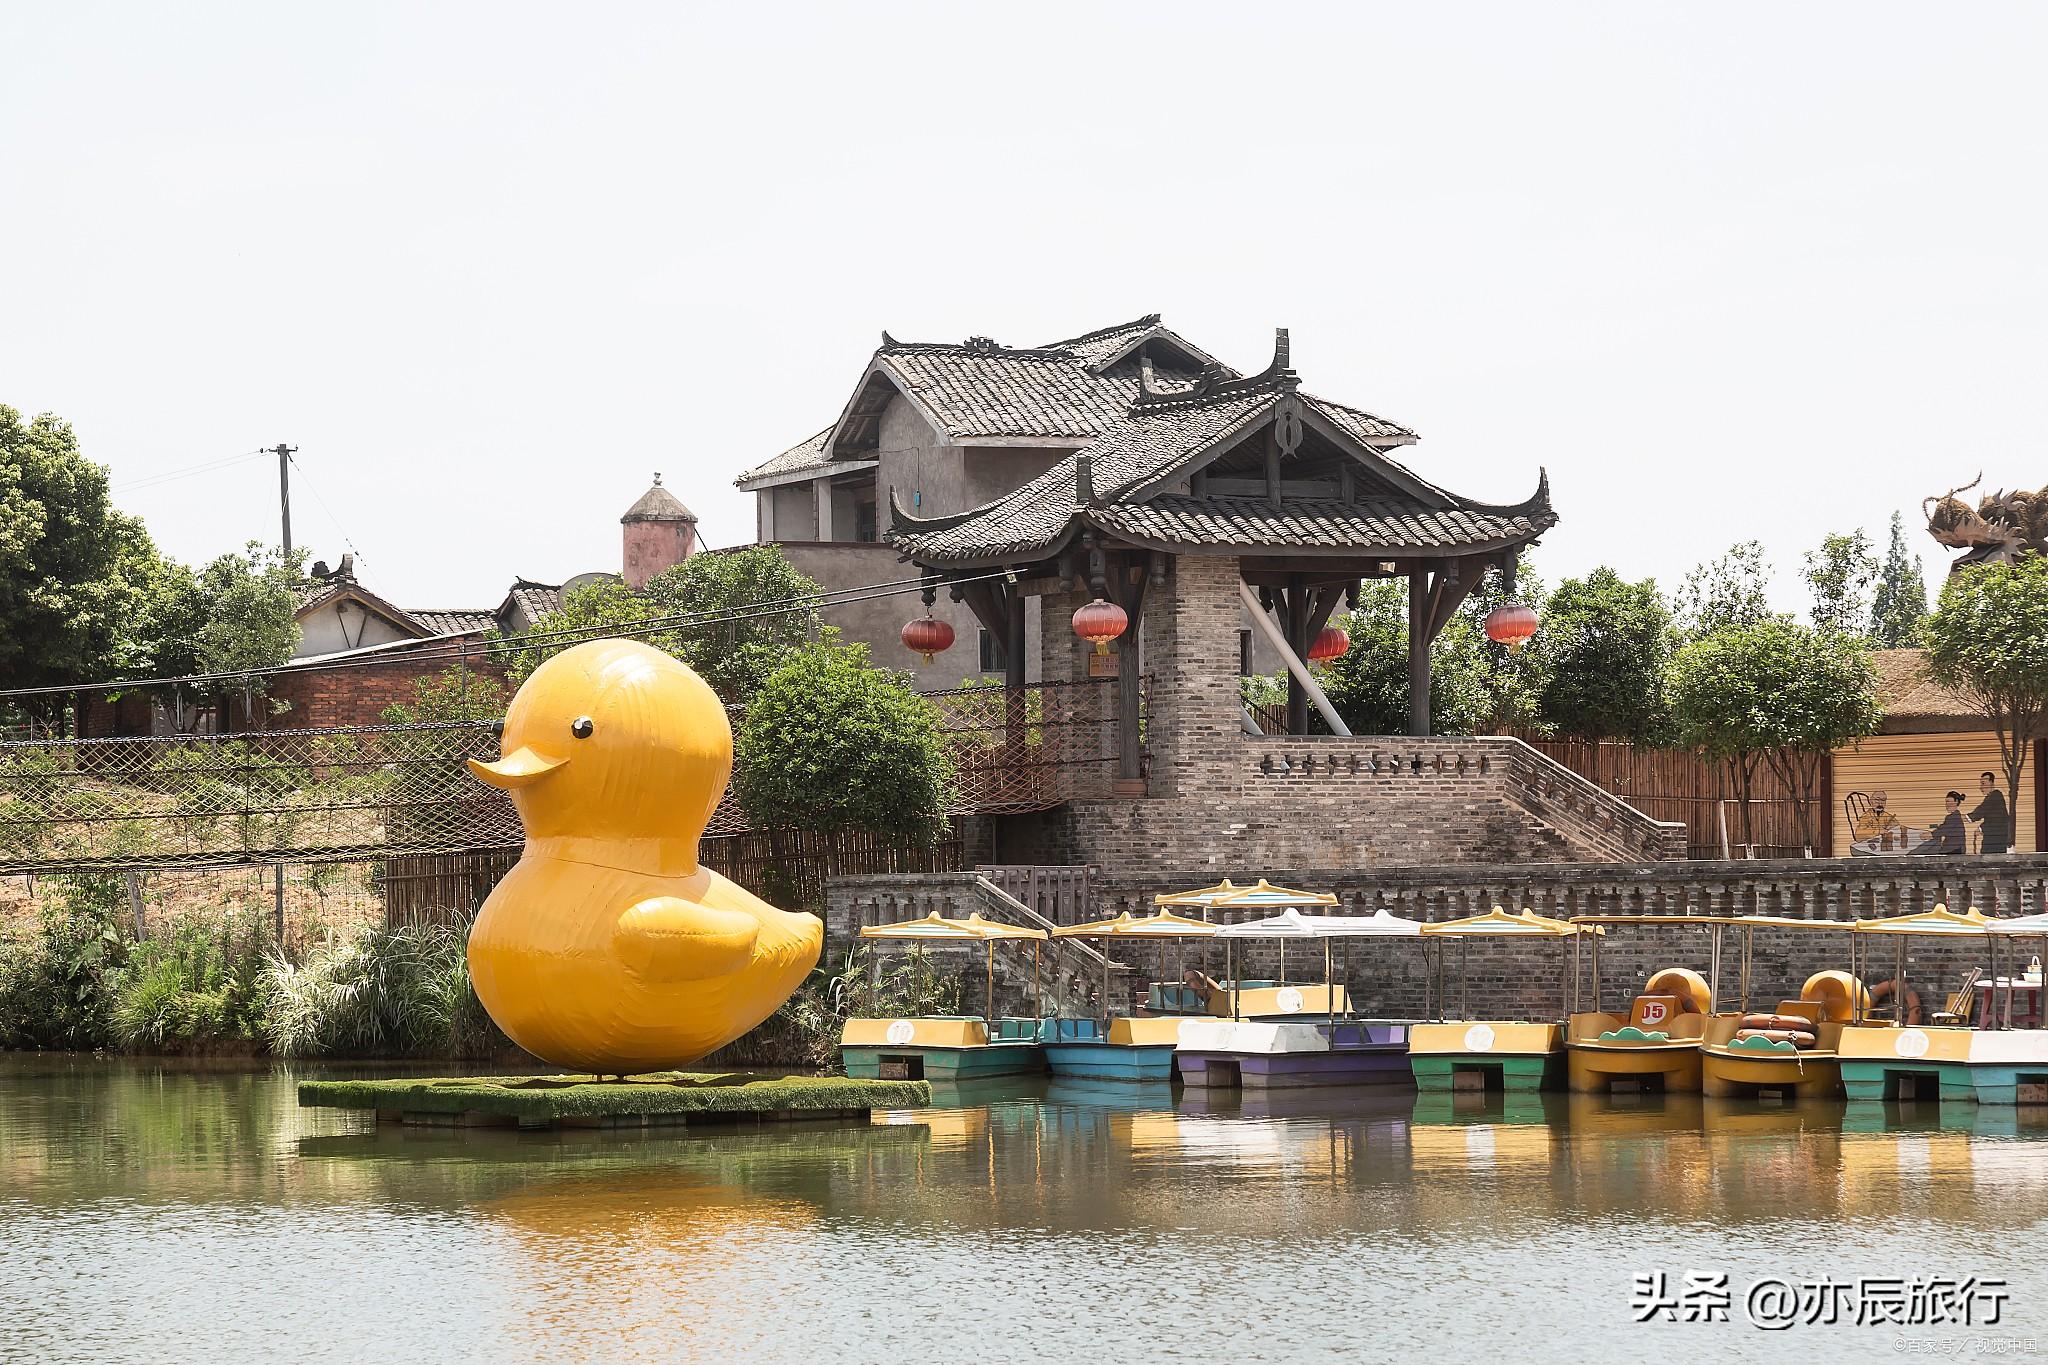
x: 1300, y: 490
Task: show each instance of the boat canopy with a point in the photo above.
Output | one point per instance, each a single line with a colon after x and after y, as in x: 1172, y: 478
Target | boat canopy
x: 1939, y: 920
x: 1262, y: 895
x: 973, y: 929
x: 1294, y: 924
x: 1165, y: 924
x: 2024, y: 925
x: 1714, y: 921
x: 1500, y: 922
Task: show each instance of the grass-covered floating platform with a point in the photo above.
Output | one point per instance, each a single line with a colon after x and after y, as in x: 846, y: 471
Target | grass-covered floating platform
x: 661, y: 1099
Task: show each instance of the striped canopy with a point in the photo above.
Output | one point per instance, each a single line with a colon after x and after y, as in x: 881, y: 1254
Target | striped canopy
x: 1499, y: 922
x: 1165, y: 924
x: 973, y: 929
x: 1294, y: 924
x: 1939, y: 920
x: 1263, y: 895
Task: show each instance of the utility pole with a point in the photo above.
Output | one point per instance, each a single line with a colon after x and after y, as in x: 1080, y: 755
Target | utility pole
x: 284, y: 489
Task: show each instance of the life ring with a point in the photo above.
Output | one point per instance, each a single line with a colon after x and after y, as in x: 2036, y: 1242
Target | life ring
x: 1839, y: 995
x: 1688, y: 985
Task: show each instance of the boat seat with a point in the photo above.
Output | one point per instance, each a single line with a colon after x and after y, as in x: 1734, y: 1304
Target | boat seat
x: 1014, y: 1031
x: 1070, y: 1031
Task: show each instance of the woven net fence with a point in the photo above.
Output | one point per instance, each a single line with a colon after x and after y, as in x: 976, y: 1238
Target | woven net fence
x: 312, y: 796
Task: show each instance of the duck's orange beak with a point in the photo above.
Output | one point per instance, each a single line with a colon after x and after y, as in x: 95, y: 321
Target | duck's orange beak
x: 520, y: 768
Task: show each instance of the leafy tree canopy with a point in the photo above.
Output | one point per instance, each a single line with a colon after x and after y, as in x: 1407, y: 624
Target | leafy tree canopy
x: 834, y: 744
x: 1603, y: 646
x: 251, y: 602
x: 1369, y: 684
x: 1840, y: 575
x: 69, y: 562
x: 734, y: 654
x: 1898, y: 608
x: 1988, y: 639
x: 1776, y: 690
x: 1730, y: 591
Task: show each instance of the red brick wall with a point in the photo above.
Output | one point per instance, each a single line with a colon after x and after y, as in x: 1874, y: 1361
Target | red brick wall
x: 332, y: 698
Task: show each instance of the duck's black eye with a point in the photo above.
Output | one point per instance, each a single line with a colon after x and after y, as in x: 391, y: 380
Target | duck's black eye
x: 582, y: 727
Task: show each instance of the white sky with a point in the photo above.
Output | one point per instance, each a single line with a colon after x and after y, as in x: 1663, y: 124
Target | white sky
x: 1730, y: 271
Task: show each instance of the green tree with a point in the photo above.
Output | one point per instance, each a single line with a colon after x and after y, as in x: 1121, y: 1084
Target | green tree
x: 764, y: 609
x: 833, y: 744
x: 453, y: 694
x: 1840, y: 575
x: 1988, y: 640
x: 65, y: 558
x: 1368, y: 684
x: 251, y: 610
x: 1730, y: 591
x: 1898, y: 611
x: 1778, y: 692
x: 1604, y: 644
x: 606, y: 607
x: 769, y: 609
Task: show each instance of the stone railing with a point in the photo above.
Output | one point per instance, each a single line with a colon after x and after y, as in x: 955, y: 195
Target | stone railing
x: 1800, y: 888
x: 1587, y: 820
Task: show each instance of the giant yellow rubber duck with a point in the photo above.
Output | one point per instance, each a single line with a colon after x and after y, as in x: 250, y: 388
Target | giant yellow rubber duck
x: 607, y: 948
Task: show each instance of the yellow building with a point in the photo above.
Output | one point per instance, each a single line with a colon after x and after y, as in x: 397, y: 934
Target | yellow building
x: 1932, y: 742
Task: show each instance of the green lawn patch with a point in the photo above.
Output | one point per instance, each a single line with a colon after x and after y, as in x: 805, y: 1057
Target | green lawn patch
x: 542, y: 1099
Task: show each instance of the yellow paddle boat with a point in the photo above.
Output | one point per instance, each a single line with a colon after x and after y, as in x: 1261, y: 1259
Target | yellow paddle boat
x: 1245, y: 998
x: 1462, y: 1052
x: 952, y: 1047
x: 1655, y: 1041
x: 1792, y: 1048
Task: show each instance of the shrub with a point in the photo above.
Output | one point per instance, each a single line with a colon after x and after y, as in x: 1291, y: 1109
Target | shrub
x: 200, y: 984
x: 383, y: 992
x: 57, y: 985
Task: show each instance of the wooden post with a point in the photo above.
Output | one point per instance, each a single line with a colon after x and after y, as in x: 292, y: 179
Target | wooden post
x: 133, y: 876
x: 1294, y: 615
x: 1130, y: 685
x: 1418, y: 651
x: 277, y: 889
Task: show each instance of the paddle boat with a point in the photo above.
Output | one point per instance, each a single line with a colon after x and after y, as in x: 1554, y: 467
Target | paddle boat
x: 1247, y: 999
x: 1943, y: 1057
x: 1494, y: 1054
x: 1119, y: 1047
x: 1791, y: 1049
x: 946, y: 1048
x: 1313, y: 1042
x: 1655, y: 1041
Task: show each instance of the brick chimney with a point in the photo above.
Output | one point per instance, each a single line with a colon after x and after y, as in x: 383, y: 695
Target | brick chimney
x: 660, y: 534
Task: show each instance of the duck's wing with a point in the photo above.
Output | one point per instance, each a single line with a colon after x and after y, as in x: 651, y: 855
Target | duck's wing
x: 664, y: 938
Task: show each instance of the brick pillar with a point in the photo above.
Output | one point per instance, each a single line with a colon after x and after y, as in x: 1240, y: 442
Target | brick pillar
x: 1195, y: 728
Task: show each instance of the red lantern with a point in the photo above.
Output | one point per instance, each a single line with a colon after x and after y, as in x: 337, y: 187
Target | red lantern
x: 927, y: 635
x: 1330, y: 643
x: 1510, y: 624
x: 1100, y: 622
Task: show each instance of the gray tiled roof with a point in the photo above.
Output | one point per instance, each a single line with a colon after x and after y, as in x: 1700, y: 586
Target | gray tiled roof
x: 535, y: 599
x: 459, y: 620
x: 803, y: 455
x: 1132, y: 469
x: 1390, y: 524
x: 972, y: 393
x: 658, y: 504
x: 1035, y: 516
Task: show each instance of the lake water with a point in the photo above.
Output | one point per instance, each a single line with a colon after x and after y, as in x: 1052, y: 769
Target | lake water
x: 184, y: 1212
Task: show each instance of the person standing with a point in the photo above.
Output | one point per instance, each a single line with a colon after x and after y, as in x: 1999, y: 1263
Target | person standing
x: 1992, y: 816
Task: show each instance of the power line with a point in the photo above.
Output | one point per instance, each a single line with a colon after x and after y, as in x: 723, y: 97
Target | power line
x: 341, y: 530
x: 453, y: 651
x: 190, y: 471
